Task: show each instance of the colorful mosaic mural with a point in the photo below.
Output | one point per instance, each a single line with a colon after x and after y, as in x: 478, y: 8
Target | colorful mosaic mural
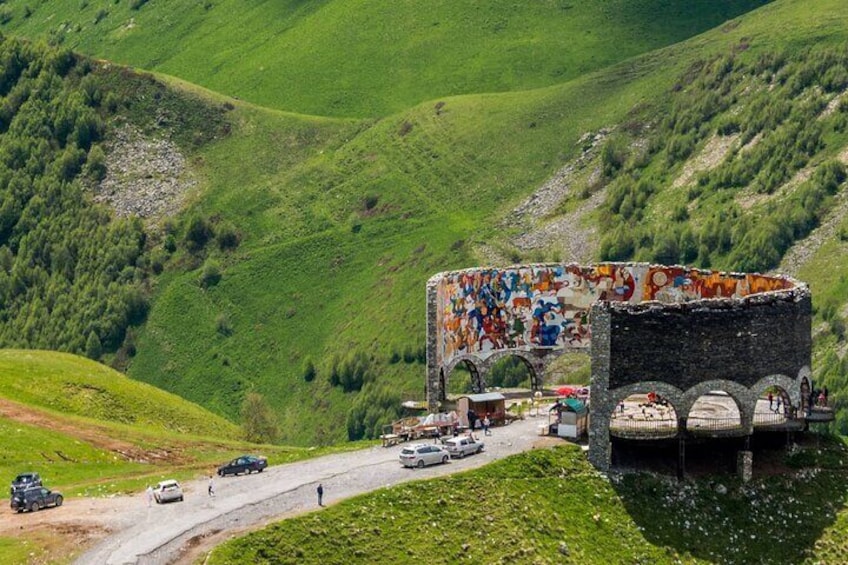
x: 483, y: 311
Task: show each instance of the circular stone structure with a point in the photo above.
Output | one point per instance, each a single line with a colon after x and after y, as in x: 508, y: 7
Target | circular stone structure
x: 673, y: 330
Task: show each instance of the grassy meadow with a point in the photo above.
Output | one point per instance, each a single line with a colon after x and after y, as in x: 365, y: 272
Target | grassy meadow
x: 340, y: 218
x: 383, y: 58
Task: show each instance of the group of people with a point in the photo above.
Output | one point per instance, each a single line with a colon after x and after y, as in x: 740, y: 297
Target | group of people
x: 475, y: 422
x: 775, y: 402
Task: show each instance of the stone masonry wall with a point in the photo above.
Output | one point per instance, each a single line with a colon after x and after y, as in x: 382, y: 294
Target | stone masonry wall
x: 737, y: 340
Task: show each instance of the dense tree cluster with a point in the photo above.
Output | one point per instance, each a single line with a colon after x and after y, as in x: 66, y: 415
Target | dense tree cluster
x: 73, y: 277
x: 775, y: 106
x: 70, y: 276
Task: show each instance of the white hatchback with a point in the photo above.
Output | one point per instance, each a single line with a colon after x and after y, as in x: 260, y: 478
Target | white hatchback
x: 423, y: 454
x: 168, y: 491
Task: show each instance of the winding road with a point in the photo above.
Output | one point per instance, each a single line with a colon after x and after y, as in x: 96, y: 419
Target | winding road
x: 142, y: 534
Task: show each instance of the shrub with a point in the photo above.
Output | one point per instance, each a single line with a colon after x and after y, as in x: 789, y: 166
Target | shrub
x: 613, y: 156
x: 309, y: 371
x: 223, y: 325
x: 93, y: 348
x: 370, y: 201
x: 210, y: 275
x: 198, y: 233
x: 226, y: 236
x: 95, y: 165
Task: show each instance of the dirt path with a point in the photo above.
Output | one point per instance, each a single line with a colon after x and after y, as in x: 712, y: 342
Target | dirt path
x: 129, y: 531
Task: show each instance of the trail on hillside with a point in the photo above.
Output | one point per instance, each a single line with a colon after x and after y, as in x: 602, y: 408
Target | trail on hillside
x: 100, y: 438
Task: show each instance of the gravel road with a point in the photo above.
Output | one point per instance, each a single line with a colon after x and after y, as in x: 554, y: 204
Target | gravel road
x: 164, y: 533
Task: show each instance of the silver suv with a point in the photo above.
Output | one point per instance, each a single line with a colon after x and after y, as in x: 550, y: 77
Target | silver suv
x: 463, y: 445
x: 168, y: 491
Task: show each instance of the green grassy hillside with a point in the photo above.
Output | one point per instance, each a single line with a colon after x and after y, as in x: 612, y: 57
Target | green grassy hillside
x: 72, y: 385
x: 551, y: 506
x: 360, y: 58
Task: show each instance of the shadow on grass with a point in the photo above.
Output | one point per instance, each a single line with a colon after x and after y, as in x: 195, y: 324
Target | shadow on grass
x: 777, y: 517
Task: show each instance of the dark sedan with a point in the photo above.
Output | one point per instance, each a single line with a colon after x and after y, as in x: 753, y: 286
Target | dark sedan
x: 243, y: 464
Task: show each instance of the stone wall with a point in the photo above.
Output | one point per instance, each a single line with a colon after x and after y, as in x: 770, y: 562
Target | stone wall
x: 683, y: 351
x: 740, y: 340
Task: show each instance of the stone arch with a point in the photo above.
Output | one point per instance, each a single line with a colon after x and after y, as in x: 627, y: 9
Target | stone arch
x: 603, y: 413
x: 473, y: 365
x: 670, y: 393
x: 789, y: 385
x: 745, y: 400
x: 535, y: 378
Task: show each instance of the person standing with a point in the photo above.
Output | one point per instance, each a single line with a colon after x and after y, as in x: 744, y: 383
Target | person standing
x: 320, y: 491
x: 211, y: 489
x: 149, y: 492
x: 486, y: 424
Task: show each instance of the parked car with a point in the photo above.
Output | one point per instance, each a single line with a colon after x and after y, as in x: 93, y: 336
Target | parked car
x: 423, y: 454
x: 35, y: 498
x: 463, y: 445
x: 244, y: 464
x: 168, y: 491
x: 25, y: 480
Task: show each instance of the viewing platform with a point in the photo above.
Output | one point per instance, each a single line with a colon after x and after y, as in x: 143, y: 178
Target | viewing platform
x: 716, y: 415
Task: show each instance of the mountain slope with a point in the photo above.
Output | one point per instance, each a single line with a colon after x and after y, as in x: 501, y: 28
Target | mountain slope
x: 361, y: 58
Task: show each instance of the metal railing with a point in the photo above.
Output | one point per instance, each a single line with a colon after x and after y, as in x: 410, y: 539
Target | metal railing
x: 643, y: 424
x: 769, y: 418
x: 713, y: 424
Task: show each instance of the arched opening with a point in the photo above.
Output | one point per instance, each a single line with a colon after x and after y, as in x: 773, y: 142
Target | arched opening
x: 715, y: 412
x: 512, y: 371
x: 643, y: 430
x: 569, y: 368
x: 773, y: 408
x: 464, y: 378
x: 644, y: 416
x: 806, y: 404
